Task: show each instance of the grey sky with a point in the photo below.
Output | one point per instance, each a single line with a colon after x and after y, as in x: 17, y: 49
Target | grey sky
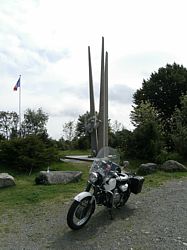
x: 46, y: 42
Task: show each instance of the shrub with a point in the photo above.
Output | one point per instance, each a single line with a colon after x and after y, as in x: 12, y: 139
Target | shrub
x: 144, y: 142
x: 165, y: 156
x: 27, y: 154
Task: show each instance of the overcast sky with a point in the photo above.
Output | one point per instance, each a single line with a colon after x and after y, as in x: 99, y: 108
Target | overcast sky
x: 45, y: 41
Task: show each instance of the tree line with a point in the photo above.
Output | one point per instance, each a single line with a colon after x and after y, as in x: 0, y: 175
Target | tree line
x: 159, y: 117
x: 28, y: 147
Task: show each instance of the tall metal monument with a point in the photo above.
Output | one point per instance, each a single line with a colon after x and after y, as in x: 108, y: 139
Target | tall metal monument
x: 98, y: 125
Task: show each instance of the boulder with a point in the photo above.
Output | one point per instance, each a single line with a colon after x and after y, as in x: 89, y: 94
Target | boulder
x: 147, y: 168
x: 125, y: 164
x: 172, y: 166
x: 6, y: 180
x: 58, y: 177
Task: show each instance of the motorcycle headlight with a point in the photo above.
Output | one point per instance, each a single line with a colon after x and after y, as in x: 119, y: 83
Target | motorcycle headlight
x: 93, y: 177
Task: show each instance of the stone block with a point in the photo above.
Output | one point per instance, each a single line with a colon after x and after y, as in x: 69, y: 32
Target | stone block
x: 147, y: 168
x: 6, y: 180
x: 172, y: 166
x: 58, y: 177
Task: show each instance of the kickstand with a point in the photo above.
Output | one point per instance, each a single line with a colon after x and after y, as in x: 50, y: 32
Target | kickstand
x: 110, y: 213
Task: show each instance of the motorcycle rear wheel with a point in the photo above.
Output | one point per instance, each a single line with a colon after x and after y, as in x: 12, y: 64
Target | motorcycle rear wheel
x: 80, y: 212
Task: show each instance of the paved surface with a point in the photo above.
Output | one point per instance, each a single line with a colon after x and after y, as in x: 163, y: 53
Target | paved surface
x: 155, y: 219
x: 78, y: 158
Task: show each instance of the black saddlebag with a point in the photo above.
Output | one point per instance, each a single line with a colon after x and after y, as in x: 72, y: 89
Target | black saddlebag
x: 136, y: 184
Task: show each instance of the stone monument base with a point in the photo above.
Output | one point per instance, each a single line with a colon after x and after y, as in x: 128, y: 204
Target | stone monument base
x: 57, y: 177
x: 6, y: 180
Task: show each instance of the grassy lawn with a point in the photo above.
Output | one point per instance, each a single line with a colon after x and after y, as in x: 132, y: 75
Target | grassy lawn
x: 160, y: 177
x: 26, y: 192
x: 74, y: 152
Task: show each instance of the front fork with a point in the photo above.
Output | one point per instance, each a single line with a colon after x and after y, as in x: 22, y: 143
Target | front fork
x: 87, y: 189
x: 88, y: 186
x: 92, y: 200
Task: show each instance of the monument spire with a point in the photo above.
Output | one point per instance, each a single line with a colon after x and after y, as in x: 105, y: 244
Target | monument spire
x: 106, y: 101
x: 92, y: 121
x: 92, y: 103
x: 101, y: 127
x: 98, y: 128
x: 103, y: 105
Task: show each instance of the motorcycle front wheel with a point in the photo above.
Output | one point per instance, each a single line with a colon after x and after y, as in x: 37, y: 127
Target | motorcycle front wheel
x: 80, y: 212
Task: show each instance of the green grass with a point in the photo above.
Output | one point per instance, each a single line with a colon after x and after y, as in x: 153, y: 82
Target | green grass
x: 63, y: 153
x: 26, y: 192
x: 156, y: 179
x: 160, y: 177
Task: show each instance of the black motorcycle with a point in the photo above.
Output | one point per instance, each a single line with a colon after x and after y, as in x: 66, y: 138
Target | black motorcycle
x: 107, y: 185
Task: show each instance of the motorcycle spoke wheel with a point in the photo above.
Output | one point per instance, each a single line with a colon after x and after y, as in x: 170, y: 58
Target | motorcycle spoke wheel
x: 79, y: 213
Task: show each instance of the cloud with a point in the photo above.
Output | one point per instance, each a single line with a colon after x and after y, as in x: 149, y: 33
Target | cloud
x: 49, y: 53
x: 16, y: 59
x: 121, y: 94
x: 139, y: 61
x: 52, y: 55
x: 77, y: 90
x: 70, y: 112
x: 132, y: 68
x: 46, y: 42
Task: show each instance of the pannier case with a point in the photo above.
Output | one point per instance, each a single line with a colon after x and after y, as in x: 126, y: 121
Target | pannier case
x: 136, y: 184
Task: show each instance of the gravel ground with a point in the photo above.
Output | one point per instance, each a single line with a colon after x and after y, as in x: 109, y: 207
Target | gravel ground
x: 154, y: 219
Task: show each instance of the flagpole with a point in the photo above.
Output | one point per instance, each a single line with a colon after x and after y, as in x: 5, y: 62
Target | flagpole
x: 20, y: 107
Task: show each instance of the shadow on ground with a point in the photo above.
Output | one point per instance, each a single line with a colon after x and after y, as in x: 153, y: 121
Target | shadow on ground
x: 100, y: 223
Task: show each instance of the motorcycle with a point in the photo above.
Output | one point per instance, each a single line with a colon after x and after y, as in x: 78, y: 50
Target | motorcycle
x: 108, y: 185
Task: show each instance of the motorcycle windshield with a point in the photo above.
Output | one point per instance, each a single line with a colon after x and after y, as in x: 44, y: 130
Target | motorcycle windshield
x: 108, y: 153
x: 107, y: 161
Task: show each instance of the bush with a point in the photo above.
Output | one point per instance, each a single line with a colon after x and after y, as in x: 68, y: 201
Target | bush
x: 83, y: 143
x: 144, y: 142
x: 180, y: 141
x: 165, y: 156
x: 27, y: 154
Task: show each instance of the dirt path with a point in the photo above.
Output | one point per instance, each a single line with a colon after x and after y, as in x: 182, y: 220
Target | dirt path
x: 155, y: 219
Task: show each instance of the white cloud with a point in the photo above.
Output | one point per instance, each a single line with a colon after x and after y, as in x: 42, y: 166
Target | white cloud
x: 46, y: 42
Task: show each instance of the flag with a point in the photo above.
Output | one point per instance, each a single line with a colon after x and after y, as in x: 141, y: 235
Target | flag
x: 17, y: 85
